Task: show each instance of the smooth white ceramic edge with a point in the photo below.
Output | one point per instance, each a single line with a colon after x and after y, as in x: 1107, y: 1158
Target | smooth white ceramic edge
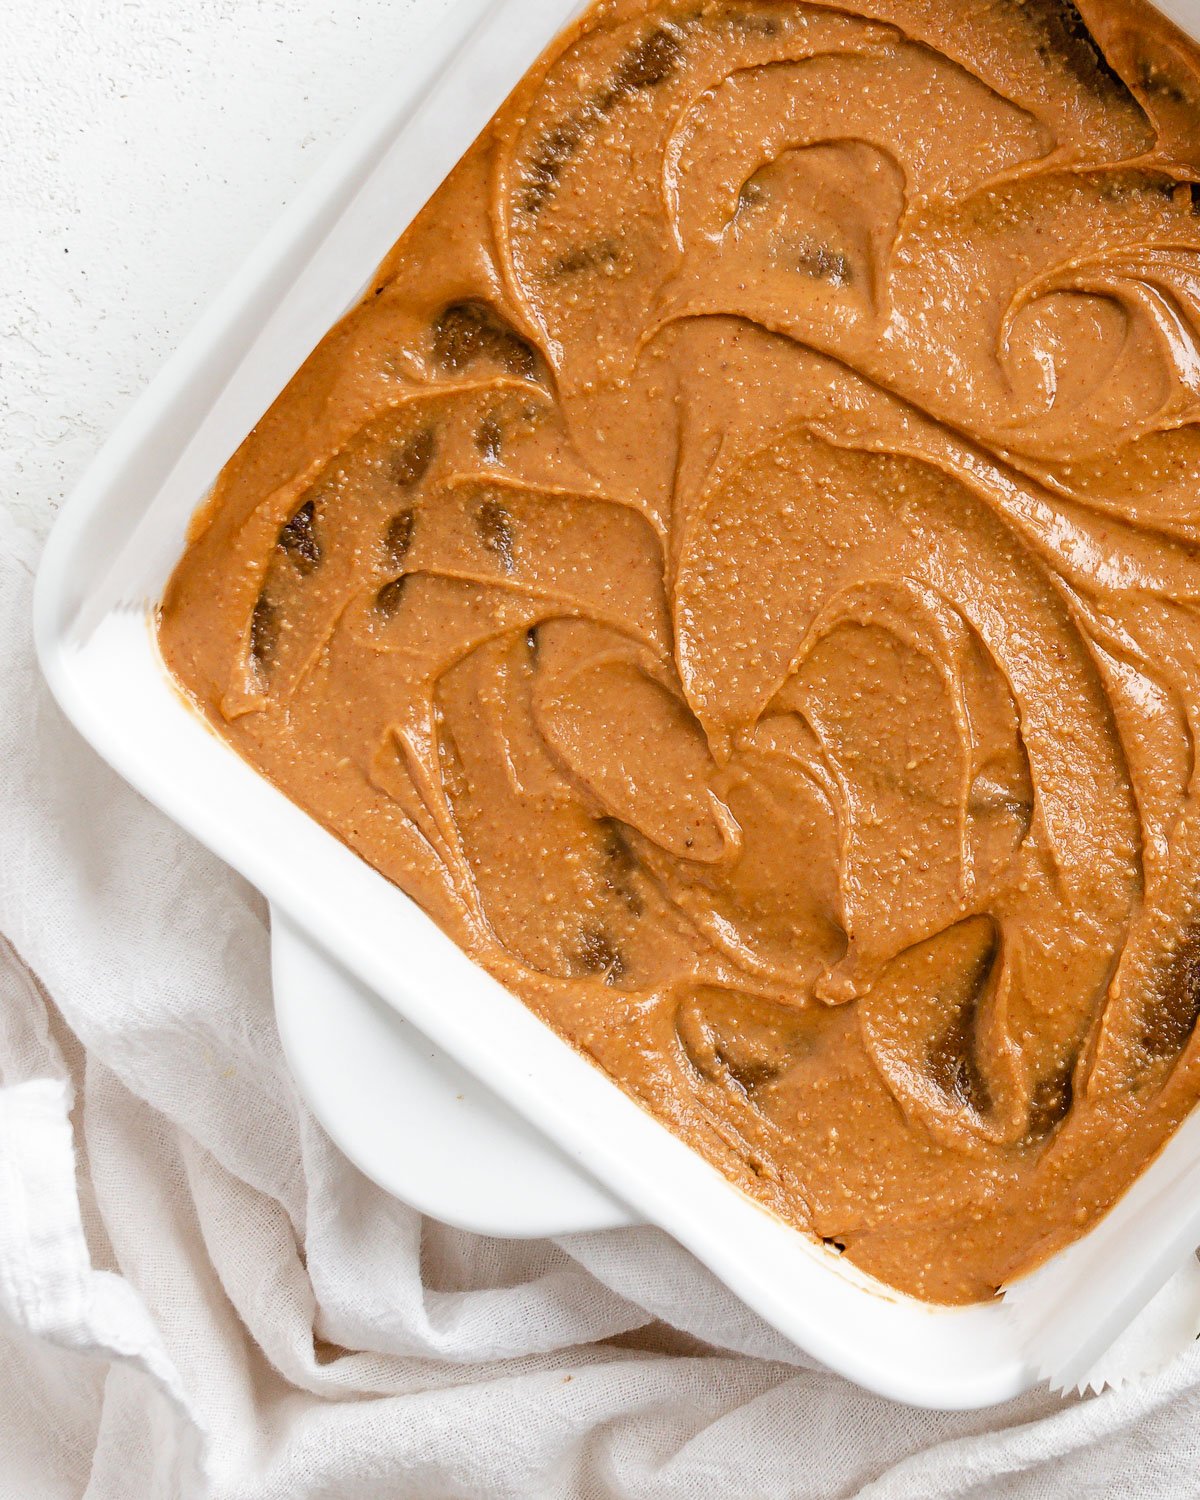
x: 108, y: 558
x: 409, y: 1117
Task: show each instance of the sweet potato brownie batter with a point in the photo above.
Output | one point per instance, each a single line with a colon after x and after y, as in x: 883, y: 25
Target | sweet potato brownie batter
x: 737, y: 569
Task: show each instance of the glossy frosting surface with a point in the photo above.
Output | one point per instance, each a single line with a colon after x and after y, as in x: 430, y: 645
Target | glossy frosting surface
x: 738, y: 570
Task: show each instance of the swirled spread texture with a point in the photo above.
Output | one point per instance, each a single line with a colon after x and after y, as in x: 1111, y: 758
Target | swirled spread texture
x: 737, y: 569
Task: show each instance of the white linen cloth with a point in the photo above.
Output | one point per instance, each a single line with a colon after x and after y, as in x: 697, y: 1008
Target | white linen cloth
x: 198, y: 1296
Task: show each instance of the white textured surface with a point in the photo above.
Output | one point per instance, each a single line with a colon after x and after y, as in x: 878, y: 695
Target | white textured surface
x: 145, y: 147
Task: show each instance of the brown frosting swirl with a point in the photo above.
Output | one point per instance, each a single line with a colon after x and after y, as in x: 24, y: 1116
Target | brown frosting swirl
x: 737, y: 569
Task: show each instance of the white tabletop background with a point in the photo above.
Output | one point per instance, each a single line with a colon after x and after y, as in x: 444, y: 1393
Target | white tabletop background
x: 145, y: 146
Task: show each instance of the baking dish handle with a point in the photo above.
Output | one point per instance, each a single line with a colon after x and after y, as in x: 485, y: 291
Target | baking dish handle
x: 411, y: 1118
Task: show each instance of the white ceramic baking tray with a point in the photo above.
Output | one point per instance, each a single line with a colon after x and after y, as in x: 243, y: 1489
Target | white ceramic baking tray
x: 104, y: 568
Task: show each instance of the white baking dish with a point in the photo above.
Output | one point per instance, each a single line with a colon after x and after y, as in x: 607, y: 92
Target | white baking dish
x: 105, y: 566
